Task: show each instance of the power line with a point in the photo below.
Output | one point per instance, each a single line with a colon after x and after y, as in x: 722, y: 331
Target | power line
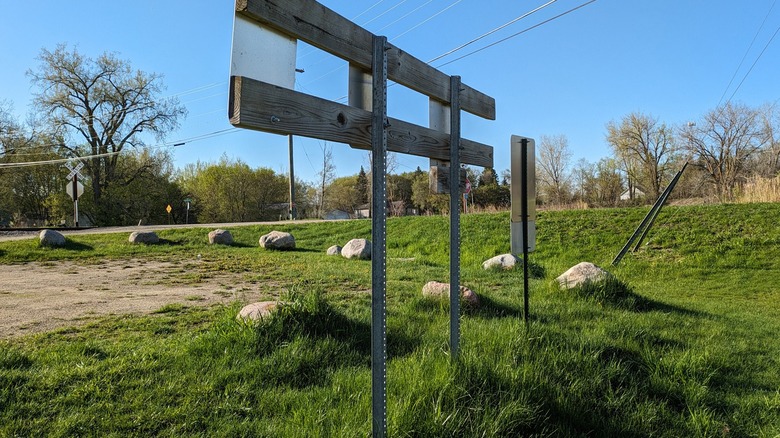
x: 385, y: 12
x: 754, y: 64
x: 746, y: 53
x: 57, y: 161
x: 426, y: 20
x: 518, y: 33
x: 406, y: 15
x: 509, y: 23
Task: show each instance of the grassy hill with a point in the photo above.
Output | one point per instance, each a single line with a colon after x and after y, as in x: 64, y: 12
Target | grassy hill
x: 685, y: 344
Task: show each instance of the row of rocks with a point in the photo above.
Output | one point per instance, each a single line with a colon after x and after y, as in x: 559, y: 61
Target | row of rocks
x: 432, y: 289
x: 354, y: 249
x: 576, y: 276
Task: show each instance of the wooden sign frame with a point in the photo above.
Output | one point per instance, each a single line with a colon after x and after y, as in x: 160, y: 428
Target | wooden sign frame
x: 268, y: 103
x: 272, y: 108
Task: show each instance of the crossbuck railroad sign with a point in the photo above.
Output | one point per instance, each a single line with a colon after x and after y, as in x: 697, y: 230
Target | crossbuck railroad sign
x: 262, y: 97
x: 74, y: 171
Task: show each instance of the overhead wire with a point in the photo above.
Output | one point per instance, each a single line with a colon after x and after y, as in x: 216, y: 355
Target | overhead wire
x: 736, y: 71
x: 487, y: 34
x: 426, y: 20
x: 754, y: 64
x: 518, y: 33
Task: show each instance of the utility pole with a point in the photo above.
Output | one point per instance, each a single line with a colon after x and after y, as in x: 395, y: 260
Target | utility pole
x: 293, y: 213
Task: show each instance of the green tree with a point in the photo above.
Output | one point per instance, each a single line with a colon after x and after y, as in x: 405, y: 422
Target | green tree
x: 30, y: 188
x: 343, y: 194
x: 142, y: 193
x: 362, y: 187
x: 424, y: 199
x: 230, y: 191
x: 100, y: 107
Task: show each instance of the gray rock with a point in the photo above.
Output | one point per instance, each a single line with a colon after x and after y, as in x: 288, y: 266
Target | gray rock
x: 220, y: 237
x: 437, y: 290
x: 277, y: 240
x: 145, y: 237
x: 580, y: 274
x: 258, y: 311
x: 334, y: 250
x: 357, y: 249
x: 51, y: 238
x: 503, y: 261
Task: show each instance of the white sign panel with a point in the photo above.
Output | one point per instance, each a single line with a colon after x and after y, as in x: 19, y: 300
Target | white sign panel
x: 262, y: 53
x: 517, y: 175
x: 79, y: 189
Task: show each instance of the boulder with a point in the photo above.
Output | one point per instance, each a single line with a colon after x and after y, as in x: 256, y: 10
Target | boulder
x: 581, y: 274
x: 437, y: 290
x: 277, y: 240
x: 145, y: 237
x: 334, y: 250
x: 220, y: 237
x: 357, y: 249
x: 51, y: 238
x: 503, y: 261
x: 258, y: 311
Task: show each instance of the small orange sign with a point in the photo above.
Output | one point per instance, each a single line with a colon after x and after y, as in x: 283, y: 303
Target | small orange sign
x: 168, y: 209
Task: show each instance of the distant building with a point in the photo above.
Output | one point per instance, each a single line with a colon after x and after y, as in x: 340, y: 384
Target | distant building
x: 638, y: 193
x: 335, y: 215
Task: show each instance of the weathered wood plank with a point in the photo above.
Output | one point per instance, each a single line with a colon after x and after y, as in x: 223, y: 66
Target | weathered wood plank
x: 439, y: 180
x: 309, y: 21
x: 265, y: 107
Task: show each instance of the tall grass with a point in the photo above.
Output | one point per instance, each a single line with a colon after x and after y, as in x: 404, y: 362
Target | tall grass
x: 682, y: 343
x: 759, y: 189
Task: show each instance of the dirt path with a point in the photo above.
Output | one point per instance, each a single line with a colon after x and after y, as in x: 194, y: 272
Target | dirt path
x: 38, y: 297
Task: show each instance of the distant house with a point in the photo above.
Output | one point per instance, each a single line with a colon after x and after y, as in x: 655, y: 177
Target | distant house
x: 395, y: 208
x: 363, y: 211
x: 638, y: 193
x: 335, y: 215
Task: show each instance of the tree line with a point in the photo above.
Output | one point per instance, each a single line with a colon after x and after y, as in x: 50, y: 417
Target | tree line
x: 725, y: 148
x: 99, y: 111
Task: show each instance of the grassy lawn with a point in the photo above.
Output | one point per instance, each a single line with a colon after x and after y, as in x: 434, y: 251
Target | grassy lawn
x: 685, y: 343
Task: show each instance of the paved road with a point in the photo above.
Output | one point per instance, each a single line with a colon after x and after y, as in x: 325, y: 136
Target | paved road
x: 19, y: 235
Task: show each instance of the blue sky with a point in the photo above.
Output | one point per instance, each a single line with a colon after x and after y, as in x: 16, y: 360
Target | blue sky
x: 670, y: 59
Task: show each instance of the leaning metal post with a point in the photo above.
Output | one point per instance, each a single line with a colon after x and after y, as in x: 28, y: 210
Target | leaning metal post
x: 664, y: 196
x: 454, y: 216
x: 378, y: 238
x: 643, y: 226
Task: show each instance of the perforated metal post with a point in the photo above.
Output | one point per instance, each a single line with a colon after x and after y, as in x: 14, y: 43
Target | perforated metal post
x: 378, y: 239
x: 524, y: 214
x: 454, y: 216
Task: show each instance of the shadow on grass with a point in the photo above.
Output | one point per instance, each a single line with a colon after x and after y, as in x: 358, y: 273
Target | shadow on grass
x: 614, y: 293
x: 535, y: 270
x: 282, y: 251
x: 306, y: 340
x: 77, y: 246
x: 489, y: 308
x: 167, y: 242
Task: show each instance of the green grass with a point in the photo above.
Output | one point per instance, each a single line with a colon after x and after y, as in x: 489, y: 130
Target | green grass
x: 684, y: 342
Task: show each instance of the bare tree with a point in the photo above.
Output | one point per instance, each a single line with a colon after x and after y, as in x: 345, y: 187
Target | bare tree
x: 645, y: 148
x: 722, y: 144
x: 100, y: 106
x: 767, y: 162
x: 326, y: 175
x: 553, y: 162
